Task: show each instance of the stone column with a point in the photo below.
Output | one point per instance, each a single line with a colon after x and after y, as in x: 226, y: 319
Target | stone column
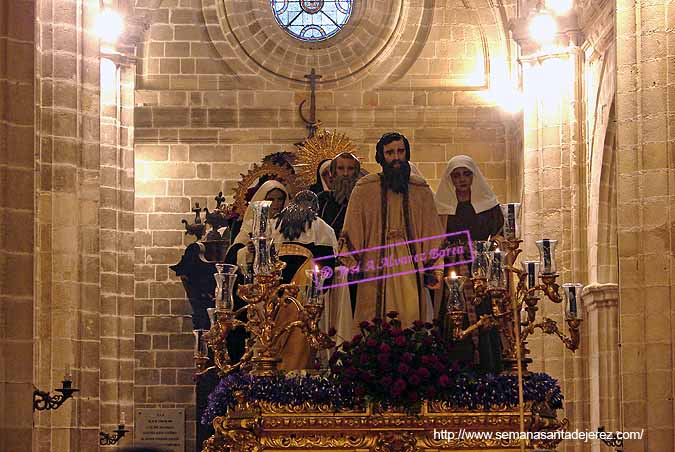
x: 601, y: 303
x: 646, y: 200
x: 67, y: 252
x: 17, y: 194
x: 554, y: 192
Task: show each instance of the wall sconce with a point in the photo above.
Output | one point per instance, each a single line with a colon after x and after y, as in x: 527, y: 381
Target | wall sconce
x: 44, y: 401
x: 560, y: 7
x: 109, y: 26
x: 543, y: 27
x: 610, y: 440
x: 110, y: 439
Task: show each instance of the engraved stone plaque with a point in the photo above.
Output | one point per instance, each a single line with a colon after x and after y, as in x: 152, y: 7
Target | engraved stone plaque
x: 160, y: 427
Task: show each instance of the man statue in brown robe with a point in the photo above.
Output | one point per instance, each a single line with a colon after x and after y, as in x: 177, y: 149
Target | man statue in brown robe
x: 389, y: 218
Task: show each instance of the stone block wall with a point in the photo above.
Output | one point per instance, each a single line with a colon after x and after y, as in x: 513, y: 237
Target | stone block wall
x: 17, y: 198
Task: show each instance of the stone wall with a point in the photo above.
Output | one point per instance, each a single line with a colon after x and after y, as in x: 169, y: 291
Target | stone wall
x: 17, y: 197
x: 646, y: 199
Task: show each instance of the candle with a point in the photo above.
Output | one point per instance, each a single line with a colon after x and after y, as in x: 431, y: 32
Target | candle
x: 547, y: 255
x: 454, y: 291
x: 68, y: 376
x: 532, y: 270
x: 496, y: 277
x: 572, y: 292
x: 511, y: 213
x: 123, y: 419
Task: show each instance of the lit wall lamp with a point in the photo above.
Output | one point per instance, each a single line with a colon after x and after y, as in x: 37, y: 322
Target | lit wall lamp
x: 559, y: 7
x: 110, y: 439
x: 44, y: 401
x: 108, y: 27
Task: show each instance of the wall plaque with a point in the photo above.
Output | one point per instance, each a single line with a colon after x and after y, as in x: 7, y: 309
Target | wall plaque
x: 160, y: 427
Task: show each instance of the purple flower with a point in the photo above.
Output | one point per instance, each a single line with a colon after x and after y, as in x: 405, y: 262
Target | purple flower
x: 414, y: 379
x: 400, y: 341
x: 396, y: 331
x: 386, y: 381
x: 428, y: 340
x: 332, y: 331
x: 371, y: 342
x: 356, y: 339
x: 385, y: 348
x: 407, y: 357
x: 364, y: 324
x: 418, y: 324
x: 426, y: 360
x: 392, y: 314
x: 403, y: 368
x: 428, y: 325
x: 383, y: 358
x: 443, y: 381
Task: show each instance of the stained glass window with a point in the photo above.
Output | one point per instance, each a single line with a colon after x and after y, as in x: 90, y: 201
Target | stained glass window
x: 312, y: 20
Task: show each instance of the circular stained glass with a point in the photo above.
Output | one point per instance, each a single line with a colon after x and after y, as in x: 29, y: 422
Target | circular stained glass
x: 312, y: 20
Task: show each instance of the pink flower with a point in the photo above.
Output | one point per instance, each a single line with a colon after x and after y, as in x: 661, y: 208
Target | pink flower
x: 403, y: 368
x: 371, y: 342
x: 400, y: 341
x: 443, y: 381
x: 407, y: 357
x: 385, y: 348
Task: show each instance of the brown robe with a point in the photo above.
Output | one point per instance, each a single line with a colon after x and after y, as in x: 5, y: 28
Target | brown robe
x: 375, y: 217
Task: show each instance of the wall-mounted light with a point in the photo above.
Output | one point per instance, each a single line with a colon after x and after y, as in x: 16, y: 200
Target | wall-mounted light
x: 543, y: 27
x: 109, y: 26
x: 45, y: 401
x: 560, y: 7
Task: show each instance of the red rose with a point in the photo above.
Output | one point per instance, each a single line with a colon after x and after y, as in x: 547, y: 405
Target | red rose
x: 385, y: 348
x: 400, y: 341
x: 443, y: 381
x: 403, y: 368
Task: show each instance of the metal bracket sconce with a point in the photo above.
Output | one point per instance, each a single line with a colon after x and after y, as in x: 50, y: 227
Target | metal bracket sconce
x: 617, y: 444
x: 44, y: 401
x: 109, y: 439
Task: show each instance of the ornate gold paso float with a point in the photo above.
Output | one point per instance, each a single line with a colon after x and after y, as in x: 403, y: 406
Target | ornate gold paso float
x: 262, y: 408
x: 272, y: 427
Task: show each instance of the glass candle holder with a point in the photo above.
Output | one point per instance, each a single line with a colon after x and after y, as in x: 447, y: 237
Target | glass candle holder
x: 261, y: 224
x: 212, y: 316
x: 532, y: 270
x: 547, y: 256
x: 315, y: 280
x: 496, y: 275
x: 481, y: 260
x: 454, y: 296
x: 573, y: 300
x: 225, y: 278
x: 511, y: 213
x: 201, y: 346
x: 262, y: 263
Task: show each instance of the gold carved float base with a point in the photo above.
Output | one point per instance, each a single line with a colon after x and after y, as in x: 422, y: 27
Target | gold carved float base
x: 272, y: 428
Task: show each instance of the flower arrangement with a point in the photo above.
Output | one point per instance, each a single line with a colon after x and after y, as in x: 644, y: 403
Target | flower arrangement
x: 392, y: 367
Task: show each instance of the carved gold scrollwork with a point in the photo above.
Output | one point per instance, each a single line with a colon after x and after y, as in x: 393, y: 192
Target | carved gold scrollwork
x: 395, y: 442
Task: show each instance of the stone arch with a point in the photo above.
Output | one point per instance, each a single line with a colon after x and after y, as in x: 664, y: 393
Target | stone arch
x: 602, y: 221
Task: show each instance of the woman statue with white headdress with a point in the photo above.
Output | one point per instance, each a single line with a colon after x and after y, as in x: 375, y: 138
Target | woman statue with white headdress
x: 465, y: 202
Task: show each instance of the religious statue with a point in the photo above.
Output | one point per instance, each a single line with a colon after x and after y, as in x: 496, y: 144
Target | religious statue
x: 465, y: 201
x: 387, y: 211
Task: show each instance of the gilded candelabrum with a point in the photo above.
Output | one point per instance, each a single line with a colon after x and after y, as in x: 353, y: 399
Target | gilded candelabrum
x: 265, y: 296
x: 512, y: 293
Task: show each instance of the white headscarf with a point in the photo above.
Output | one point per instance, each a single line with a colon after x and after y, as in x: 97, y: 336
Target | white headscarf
x: 415, y: 170
x: 247, y: 224
x: 324, y: 165
x: 482, y: 196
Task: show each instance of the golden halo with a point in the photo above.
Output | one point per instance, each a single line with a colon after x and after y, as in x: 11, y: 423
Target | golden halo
x: 280, y: 173
x: 325, y: 144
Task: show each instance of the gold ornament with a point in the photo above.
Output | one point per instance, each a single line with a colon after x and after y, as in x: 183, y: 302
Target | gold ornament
x: 325, y: 144
x: 276, y: 172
